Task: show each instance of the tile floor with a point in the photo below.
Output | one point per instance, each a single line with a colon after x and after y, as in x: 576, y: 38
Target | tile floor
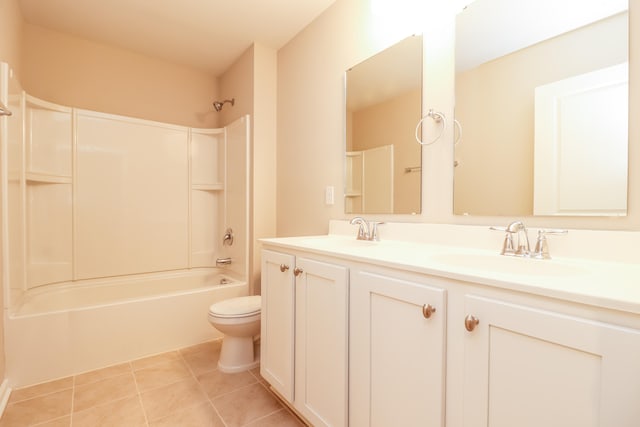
x: 178, y: 388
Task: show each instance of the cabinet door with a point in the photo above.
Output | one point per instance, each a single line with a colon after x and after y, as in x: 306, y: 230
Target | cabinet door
x: 527, y: 367
x: 277, y: 323
x: 321, y: 342
x: 397, y: 352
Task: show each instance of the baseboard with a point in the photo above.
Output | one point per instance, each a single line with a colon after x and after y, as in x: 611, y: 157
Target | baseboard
x: 288, y: 407
x: 5, y: 392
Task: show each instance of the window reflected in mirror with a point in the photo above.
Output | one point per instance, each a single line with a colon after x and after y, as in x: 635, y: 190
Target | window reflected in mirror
x: 383, y: 105
x: 542, y: 101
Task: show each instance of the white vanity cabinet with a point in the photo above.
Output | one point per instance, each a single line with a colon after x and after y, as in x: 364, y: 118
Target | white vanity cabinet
x: 397, y: 351
x: 439, y: 345
x: 277, y: 321
x: 304, y: 354
x: 525, y: 366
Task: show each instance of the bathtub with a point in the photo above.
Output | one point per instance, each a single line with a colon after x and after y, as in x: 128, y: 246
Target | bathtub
x: 69, y: 328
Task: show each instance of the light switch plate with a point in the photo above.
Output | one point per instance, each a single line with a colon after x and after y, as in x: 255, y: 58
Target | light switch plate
x: 329, y: 197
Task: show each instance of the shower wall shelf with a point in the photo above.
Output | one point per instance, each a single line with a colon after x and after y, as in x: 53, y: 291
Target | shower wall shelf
x: 207, y: 197
x: 49, y: 141
x: 353, y: 190
x: 370, y: 180
x: 48, y: 191
x: 208, y: 187
x: 43, y: 178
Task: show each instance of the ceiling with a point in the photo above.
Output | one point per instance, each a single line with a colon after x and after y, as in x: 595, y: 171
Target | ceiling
x: 205, y: 34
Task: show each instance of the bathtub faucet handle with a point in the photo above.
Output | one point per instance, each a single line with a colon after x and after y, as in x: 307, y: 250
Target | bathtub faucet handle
x: 227, y: 239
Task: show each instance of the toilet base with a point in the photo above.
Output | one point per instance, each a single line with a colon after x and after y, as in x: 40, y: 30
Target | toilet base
x: 238, y: 354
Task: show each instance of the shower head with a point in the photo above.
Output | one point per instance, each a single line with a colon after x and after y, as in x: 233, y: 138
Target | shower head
x: 217, y: 105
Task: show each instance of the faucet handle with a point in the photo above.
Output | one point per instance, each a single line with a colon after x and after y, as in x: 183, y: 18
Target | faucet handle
x: 507, y: 244
x: 373, y: 230
x: 227, y: 239
x: 542, y: 247
x: 545, y: 231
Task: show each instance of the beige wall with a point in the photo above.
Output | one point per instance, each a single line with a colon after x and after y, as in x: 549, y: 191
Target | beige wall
x: 251, y: 80
x: 311, y: 123
x: 263, y: 217
x: 495, y: 104
x: 11, y: 24
x: 10, y: 51
x: 73, y: 71
x: 237, y: 83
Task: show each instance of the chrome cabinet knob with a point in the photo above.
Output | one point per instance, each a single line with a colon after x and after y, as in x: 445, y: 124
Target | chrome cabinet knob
x: 428, y: 310
x: 283, y: 267
x: 470, y: 322
x: 297, y: 271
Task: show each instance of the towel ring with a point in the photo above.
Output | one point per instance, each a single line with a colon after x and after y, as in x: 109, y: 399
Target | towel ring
x: 458, y: 126
x: 437, y: 117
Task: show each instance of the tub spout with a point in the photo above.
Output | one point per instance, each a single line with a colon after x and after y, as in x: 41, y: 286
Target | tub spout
x: 223, y: 261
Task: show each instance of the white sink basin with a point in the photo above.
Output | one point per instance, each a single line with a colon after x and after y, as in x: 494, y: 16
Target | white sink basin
x: 508, y: 264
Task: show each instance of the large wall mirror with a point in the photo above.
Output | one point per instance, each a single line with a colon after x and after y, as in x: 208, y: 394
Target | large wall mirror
x: 383, y: 106
x: 542, y: 108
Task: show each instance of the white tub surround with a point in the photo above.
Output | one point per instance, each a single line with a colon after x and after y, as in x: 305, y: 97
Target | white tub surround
x: 111, y: 231
x: 98, y: 195
x: 439, y: 326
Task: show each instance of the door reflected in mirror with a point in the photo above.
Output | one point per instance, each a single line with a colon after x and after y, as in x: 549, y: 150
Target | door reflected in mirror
x: 383, y: 105
x: 542, y: 101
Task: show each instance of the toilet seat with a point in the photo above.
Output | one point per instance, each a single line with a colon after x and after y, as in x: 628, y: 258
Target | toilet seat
x: 236, y: 307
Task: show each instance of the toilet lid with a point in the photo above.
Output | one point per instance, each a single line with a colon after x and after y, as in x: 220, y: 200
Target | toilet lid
x: 240, y: 306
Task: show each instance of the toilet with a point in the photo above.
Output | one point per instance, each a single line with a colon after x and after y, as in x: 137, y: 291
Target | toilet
x: 239, y: 320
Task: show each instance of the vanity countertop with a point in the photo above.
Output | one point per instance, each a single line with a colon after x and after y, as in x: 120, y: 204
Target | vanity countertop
x: 602, y: 283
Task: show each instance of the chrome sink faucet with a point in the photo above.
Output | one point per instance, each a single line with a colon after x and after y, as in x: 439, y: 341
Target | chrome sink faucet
x: 366, y: 230
x: 520, y: 246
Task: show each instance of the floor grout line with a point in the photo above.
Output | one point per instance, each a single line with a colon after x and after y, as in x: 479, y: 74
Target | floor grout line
x: 201, y: 387
x: 263, y: 417
x: 139, y: 394
x: 198, y: 366
x: 73, y: 398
